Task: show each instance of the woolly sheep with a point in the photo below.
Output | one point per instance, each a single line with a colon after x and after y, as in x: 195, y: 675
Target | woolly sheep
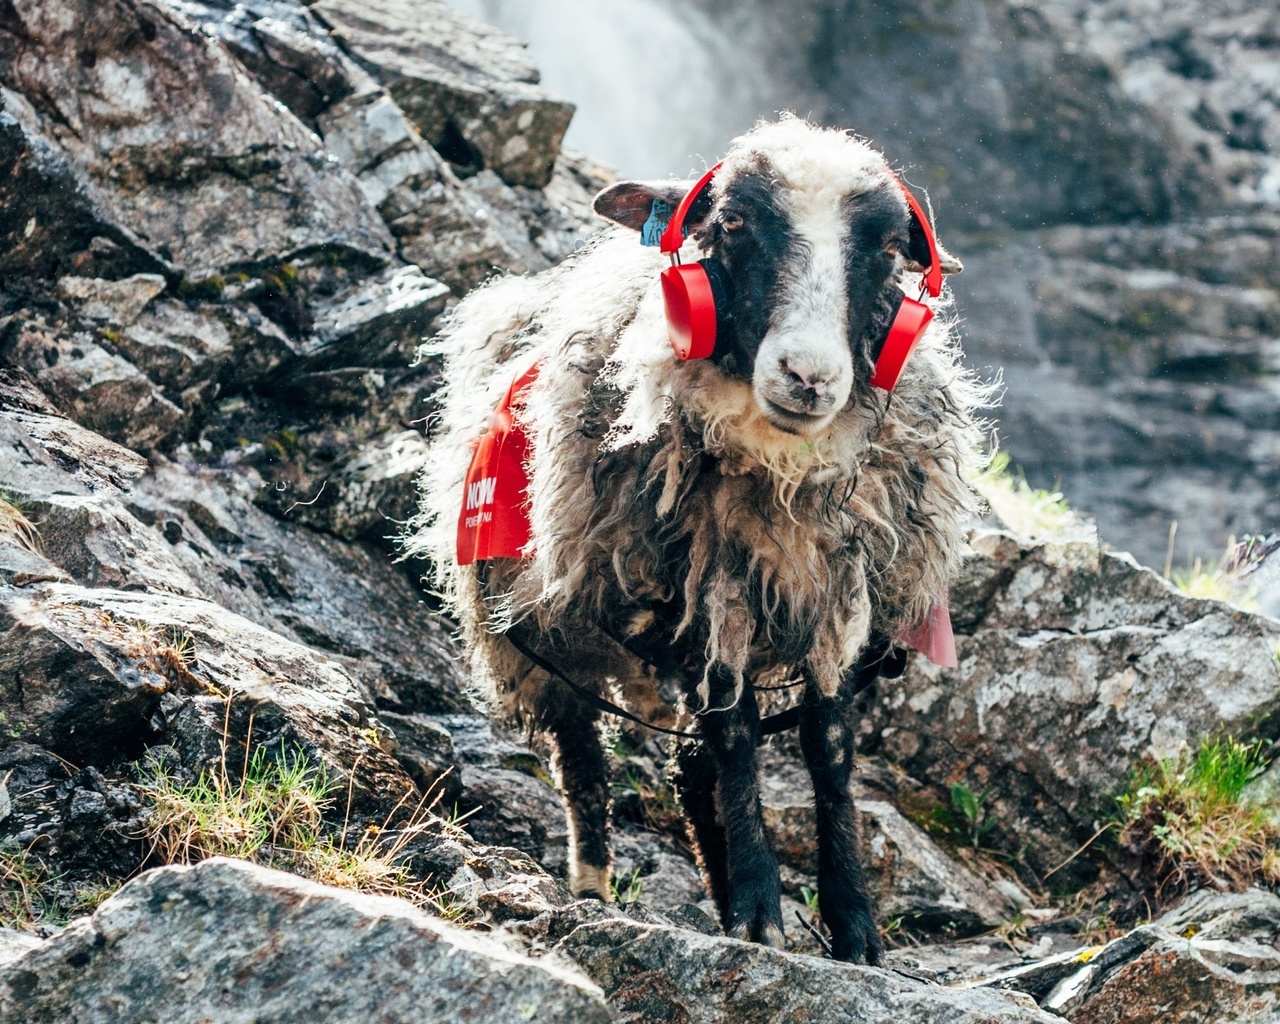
x: 759, y: 515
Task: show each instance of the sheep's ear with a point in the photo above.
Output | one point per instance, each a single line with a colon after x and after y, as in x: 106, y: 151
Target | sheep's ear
x: 630, y: 203
x: 917, y: 255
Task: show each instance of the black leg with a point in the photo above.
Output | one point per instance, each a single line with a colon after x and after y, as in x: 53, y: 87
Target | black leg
x: 753, y: 903
x: 577, y: 761
x: 695, y: 780
x: 827, y: 739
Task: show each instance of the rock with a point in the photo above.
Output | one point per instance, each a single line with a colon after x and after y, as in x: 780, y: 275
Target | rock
x: 230, y: 941
x: 180, y: 155
x: 199, y: 351
x: 43, y: 446
x: 117, y: 302
x: 470, y: 90
x: 289, y: 52
x: 1074, y: 664
x: 510, y: 792
x: 87, y: 671
x: 1212, y: 958
x: 425, y: 750
x: 14, y: 943
x: 381, y: 323
x: 652, y: 973
x: 99, y: 388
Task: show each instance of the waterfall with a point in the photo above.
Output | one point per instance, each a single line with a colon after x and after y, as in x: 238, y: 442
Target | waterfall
x: 660, y: 90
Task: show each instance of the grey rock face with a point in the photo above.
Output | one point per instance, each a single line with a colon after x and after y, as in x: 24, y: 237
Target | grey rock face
x: 471, y: 91
x: 655, y: 973
x: 232, y: 942
x: 179, y: 151
x: 1212, y: 958
x: 1074, y: 664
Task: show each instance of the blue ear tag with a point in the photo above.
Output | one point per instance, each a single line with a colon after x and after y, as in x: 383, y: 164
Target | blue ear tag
x: 659, y: 214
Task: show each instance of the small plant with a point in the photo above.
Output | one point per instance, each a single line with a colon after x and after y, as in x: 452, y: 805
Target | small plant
x: 810, y: 897
x: 631, y: 891
x: 25, y: 900
x: 969, y: 816
x: 1187, y: 815
x: 1027, y: 510
x: 1217, y: 581
x: 15, y: 730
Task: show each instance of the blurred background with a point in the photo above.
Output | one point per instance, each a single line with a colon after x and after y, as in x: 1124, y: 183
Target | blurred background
x: 1108, y: 171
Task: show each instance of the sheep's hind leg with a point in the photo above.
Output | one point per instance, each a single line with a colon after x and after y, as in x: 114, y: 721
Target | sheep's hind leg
x: 695, y: 780
x: 577, y: 762
x: 753, y: 894
x: 827, y: 739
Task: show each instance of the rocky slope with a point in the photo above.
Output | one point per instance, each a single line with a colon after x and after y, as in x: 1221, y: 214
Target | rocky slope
x: 224, y: 230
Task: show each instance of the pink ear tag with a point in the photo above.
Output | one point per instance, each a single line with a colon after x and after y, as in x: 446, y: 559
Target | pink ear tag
x: 932, y: 636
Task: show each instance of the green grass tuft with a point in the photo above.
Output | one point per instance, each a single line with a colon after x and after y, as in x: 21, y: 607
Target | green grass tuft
x: 1186, y: 815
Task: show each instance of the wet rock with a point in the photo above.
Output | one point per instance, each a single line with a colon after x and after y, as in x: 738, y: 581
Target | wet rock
x: 228, y: 940
x: 179, y: 154
x: 1074, y: 664
x: 651, y: 973
x: 470, y: 90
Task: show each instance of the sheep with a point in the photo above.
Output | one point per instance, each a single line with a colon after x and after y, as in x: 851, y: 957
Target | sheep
x: 763, y: 514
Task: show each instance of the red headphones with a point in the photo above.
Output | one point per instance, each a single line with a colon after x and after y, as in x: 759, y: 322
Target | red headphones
x: 695, y: 294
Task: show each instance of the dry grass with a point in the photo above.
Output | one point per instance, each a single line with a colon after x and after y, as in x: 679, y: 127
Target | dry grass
x: 16, y: 527
x: 24, y: 891
x: 274, y: 814
x: 1187, y: 819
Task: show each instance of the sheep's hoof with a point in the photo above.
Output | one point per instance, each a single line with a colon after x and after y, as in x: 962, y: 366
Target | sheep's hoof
x: 856, y: 938
x: 760, y: 923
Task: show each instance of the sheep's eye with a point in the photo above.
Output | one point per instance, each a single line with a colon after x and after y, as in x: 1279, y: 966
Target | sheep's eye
x: 731, y: 221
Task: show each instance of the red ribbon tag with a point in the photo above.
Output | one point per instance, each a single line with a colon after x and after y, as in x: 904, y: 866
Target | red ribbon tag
x: 932, y: 636
x: 494, y: 522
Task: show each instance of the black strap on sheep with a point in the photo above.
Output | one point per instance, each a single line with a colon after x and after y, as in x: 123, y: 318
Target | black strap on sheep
x: 890, y: 664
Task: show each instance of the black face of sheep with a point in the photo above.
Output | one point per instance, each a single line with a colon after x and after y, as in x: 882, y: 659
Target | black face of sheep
x: 809, y: 276
x: 764, y: 514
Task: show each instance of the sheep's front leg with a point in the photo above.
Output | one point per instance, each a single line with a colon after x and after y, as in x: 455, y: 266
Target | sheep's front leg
x: 753, y: 897
x: 577, y: 762
x: 827, y: 739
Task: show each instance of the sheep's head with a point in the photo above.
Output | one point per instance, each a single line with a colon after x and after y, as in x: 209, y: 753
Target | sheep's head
x: 812, y: 230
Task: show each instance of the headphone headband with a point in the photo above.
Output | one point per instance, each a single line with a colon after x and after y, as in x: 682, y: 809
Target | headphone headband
x: 933, y: 272
x: 673, y: 236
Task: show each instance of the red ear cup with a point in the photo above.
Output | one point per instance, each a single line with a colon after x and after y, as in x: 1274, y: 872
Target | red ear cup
x: 908, y: 326
x: 691, y: 310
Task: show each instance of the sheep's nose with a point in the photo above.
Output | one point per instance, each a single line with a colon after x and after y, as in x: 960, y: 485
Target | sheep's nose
x: 806, y: 378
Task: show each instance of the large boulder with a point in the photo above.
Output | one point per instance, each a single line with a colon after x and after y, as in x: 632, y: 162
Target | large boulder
x: 1075, y: 663
x: 232, y: 942
x: 160, y: 141
x: 471, y: 90
x: 653, y: 973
